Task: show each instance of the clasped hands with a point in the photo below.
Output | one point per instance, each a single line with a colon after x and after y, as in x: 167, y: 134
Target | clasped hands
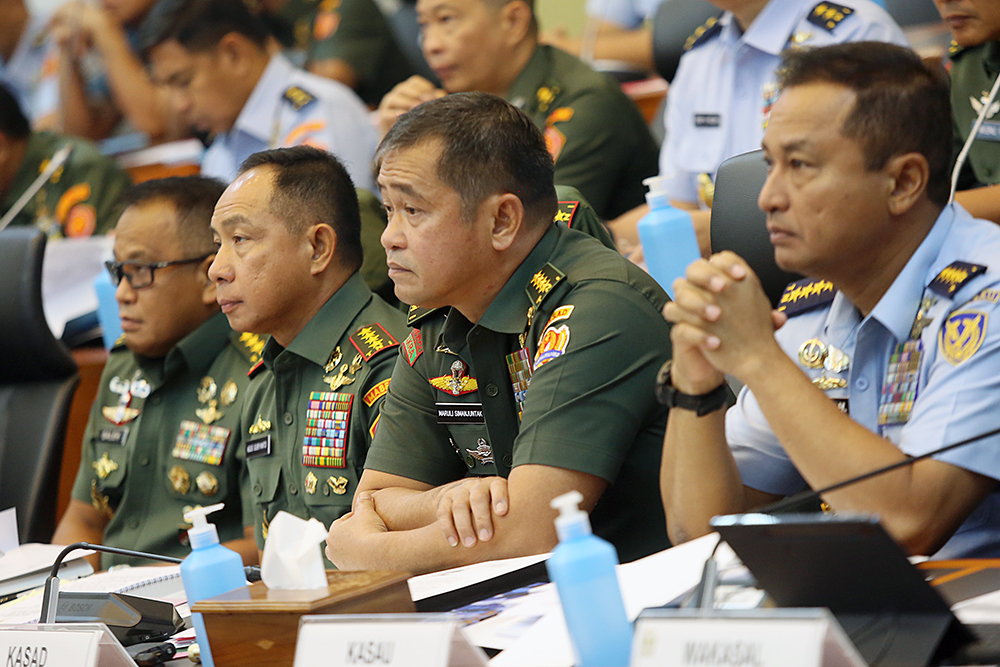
x: 723, y: 323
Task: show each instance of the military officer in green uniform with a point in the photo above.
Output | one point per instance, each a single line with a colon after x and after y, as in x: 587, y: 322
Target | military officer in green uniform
x: 352, y: 42
x: 288, y: 233
x: 975, y: 65
x: 165, y: 428
x: 530, y: 366
x: 596, y: 135
x: 78, y: 197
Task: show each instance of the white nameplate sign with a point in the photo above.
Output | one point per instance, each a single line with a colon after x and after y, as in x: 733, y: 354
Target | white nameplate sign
x: 61, y: 645
x: 399, y: 640
x: 752, y: 638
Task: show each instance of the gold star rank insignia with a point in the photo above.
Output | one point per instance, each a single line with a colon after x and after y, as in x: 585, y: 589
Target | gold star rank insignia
x: 104, y: 466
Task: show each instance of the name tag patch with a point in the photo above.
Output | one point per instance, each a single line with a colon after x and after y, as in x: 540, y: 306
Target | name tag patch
x: 203, y: 443
x: 460, y: 413
x: 113, y: 436
x: 259, y: 447
x: 707, y: 120
x: 989, y: 131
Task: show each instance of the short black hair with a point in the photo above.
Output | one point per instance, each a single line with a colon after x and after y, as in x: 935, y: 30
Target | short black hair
x: 312, y: 186
x: 13, y: 123
x: 902, y: 106
x: 193, y: 199
x: 199, y: 25
x: 488, y: 146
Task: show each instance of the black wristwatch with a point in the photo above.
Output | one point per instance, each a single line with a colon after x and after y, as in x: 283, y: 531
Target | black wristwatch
x: 701, y: 404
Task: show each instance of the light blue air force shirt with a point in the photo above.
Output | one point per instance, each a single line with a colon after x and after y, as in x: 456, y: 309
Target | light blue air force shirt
x: 725, y: 85
x: 291, y: 107
x: 959, y: 376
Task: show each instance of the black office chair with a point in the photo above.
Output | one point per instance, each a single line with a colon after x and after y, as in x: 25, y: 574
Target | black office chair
x: 37, y: 381
x: 907, y: 13
x: 673, y: 23
x: 739, y: 225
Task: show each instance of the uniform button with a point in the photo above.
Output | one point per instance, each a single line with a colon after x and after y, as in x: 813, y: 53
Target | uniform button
x: 257, y: 490
x: 294, y: 490
x: 326, y: 489
x: 861, y: 384
x: 144, y: 461
x: 288, y: 419
x: 492, y: 390
x: 507, y: 460
x: 133, y: 524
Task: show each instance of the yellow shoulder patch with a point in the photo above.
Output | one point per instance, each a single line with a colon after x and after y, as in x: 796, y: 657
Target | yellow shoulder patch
x: 962, y: 335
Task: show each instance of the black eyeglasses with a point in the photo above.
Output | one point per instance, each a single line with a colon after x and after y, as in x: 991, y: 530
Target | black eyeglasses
x: 140, y: 275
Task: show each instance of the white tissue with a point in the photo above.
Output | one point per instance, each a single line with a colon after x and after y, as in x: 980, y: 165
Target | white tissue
x: 293, y: 556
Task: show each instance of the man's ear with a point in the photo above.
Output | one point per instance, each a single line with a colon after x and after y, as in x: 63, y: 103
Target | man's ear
x: 908, y: 175
x: 323, y: 242
x: 234, y: 51
x: 508, y: 219
x: 515, y: 19
x: 208, y: 289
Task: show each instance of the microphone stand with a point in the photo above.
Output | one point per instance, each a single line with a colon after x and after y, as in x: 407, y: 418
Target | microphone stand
x: 791, y: 502
x: 50, y: 597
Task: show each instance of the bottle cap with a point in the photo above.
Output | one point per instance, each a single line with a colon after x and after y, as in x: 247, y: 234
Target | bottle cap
x: 572, y: 521
x: 202, y: 533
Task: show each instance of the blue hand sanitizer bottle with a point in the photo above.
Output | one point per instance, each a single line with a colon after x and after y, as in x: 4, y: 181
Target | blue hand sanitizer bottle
x: 669, y: 243
x: 582, y: 567
x: 211, y: 569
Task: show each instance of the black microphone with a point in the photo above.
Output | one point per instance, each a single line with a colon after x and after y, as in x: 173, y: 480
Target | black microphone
x: 805, y: 497
x: 51, y: 593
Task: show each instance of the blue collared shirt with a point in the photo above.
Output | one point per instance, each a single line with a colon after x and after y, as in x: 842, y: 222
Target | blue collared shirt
x: 725, y: 86
x: 334, y: 119
x: 954, y: 401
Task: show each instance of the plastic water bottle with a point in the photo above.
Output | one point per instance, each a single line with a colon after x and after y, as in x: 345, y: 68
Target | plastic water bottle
x: 582, y: 567
x: 107, y: 309
x: 669, y: 243
x: 211, y: 569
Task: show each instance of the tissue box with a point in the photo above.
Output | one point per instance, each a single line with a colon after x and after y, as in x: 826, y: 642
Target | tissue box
x: 257, y: 626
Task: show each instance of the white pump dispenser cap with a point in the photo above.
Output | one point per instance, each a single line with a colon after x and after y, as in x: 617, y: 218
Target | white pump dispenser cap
x: 202, y: 533
x: 572, y: 521
x: 657, y: 195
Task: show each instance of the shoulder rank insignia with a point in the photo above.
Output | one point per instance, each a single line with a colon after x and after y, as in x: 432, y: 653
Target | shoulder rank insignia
x: 416, y: 313
x: 413, y: 346
x: 954, y: 49
x: 703, y: 33
x: 256, y: 367
x: 828, y: 15
x: 119, y: 343
x: 962, y: 335
x: 371, y: 339
x: 951, y: 279
x: 566, y: 211
x: 546, y: 95
x: 250, y: 344
x: 542, y: 283
x: 806, y: 294
x: 298, y: 97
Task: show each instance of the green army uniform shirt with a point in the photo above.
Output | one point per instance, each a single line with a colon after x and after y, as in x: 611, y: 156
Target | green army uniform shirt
x: 164, y: 437
x: 596, y: 135
x: 312, y: 408
x: 357, y: 32
x: 79, y: 198
x: 559, y: 372
x: 973, y: 72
